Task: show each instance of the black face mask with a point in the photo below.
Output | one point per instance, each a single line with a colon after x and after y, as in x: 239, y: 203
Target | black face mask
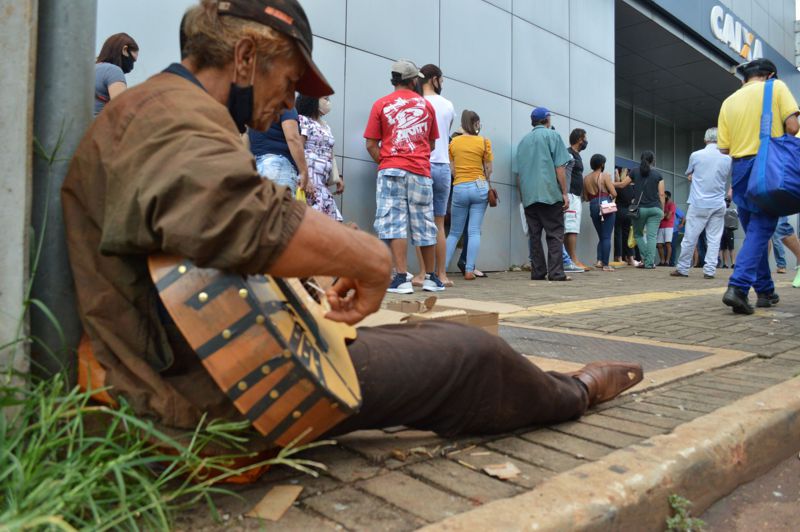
x: 583, y: 145
x: 437, y: 88
x: 127, y: 63
x: 240, y: 105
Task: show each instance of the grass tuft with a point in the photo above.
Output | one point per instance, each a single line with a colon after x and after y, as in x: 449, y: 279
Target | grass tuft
x: 66, y: 464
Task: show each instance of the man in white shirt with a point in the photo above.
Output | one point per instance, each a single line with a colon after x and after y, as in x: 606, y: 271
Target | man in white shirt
x: 709, y: 170
x: 440, y: 166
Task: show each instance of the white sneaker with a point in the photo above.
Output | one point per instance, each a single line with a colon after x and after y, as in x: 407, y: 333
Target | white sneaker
x: 432, y: 283
x: 400, y: 286
x: 409, y: 276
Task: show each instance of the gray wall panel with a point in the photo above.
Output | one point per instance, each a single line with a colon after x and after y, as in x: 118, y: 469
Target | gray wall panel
x: 502, y: 4
x: 495, y: 113
x: 551, y: 15
x: 592, y: 26
x: 381, y: 28
x: 476, y: 44
x: 760, y: 21
x: 358, y: 201
x: 367, y: 79
x: 517, y: 239
x: 539, y: 55
x: 591, y: 89
x: 329, y: 56
x: 494, y: 252
x: 327, y: 18
x: 521, y: 124
x: 743, y: 10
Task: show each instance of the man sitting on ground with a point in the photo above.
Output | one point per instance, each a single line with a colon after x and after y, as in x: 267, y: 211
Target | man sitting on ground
x: 163, y: 170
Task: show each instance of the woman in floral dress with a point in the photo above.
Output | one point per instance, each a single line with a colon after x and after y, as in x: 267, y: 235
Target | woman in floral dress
x: 319, y: 143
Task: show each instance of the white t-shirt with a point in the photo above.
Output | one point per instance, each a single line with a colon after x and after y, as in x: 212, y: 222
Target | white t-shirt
x: 445, y: 112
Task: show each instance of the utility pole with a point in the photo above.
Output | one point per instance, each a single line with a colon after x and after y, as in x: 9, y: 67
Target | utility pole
x: 63, y: 110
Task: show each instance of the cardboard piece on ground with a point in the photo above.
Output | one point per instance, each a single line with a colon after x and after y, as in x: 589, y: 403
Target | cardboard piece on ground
x: 275, y: 503
x: 506, y: 471
x: 382, y: 317
x: 482, y: 306
x: 430, y: 310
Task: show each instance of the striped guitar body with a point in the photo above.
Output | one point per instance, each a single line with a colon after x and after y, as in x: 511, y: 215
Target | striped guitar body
x: 267, y: 345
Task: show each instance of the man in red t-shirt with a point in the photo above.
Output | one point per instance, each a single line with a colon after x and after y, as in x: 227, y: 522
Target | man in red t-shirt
x: 665, y: 231
x: 400, y: 135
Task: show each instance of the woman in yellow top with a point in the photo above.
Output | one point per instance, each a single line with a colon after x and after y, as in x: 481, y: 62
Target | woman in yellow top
x: 471, y: 160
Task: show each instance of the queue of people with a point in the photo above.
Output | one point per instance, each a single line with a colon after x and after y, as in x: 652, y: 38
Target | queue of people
x: 424, y: 173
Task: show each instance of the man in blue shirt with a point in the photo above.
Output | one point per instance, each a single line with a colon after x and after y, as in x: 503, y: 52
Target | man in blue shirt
x: 539, y: 169
x: 709, y: 170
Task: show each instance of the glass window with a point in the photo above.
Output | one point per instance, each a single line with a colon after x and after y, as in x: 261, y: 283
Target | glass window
x: 665, y: 146
x: 681, y: 192
x: 644, y: 132
x: 683, y: 148
x: 624, y: 132
x: 669, y: 181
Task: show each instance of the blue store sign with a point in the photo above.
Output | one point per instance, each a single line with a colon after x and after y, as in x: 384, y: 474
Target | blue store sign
x: 728, y: 29
x: 724, y: 30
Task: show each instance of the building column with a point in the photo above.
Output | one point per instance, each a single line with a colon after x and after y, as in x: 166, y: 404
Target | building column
x: 17, y: 68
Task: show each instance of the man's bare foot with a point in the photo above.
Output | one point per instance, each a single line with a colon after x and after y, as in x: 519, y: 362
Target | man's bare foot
x: 445, y: 280
x: 418, y: 279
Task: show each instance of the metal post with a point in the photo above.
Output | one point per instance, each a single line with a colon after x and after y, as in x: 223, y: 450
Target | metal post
x: 63, y: 111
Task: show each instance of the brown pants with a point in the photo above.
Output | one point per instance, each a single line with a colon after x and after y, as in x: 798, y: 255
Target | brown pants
x: 454, y: 379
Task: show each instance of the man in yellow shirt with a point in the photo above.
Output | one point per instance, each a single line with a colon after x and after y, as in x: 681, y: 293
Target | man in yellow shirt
x: 738, y: 135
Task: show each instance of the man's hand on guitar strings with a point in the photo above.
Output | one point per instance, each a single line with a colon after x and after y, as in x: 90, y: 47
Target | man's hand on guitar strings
x: 353, y: 300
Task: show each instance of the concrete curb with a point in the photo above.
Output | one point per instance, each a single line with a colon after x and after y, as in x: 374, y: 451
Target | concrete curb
x: 702, y: 460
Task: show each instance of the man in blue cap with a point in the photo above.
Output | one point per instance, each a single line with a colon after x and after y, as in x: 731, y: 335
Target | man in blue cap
x: 539, y: 169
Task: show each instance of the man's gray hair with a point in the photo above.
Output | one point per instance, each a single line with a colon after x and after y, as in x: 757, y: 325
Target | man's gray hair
x: 711, y: 135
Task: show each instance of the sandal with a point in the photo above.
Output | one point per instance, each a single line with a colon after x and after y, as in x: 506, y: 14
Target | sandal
x: 608, y: 269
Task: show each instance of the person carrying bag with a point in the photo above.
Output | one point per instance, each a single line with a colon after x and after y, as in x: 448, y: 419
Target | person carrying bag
x: 774, y: 185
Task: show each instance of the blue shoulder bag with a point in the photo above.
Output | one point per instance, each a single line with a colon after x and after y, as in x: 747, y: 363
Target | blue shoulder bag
x: 774, y: 184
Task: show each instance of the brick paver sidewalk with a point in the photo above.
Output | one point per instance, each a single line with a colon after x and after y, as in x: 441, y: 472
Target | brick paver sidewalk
x: 385, y: 480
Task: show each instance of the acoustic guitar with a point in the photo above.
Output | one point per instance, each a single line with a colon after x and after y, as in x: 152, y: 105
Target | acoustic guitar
x: 266, y: 343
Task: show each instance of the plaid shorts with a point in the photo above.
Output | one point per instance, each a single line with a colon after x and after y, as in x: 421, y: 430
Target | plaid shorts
x: 404, y: 199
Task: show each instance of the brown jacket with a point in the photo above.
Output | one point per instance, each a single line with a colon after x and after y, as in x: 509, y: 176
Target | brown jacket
x: 163, y: 168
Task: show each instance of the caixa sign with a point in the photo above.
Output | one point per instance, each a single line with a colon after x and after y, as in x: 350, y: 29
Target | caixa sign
x: 732, y: 32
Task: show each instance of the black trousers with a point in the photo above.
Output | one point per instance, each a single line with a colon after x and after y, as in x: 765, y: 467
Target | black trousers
x: 454, y: 379
x: 550, y: 219
x: 622, y: 227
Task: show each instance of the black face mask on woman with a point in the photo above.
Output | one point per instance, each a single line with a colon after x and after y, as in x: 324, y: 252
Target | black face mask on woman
x: 127, y: 63
x: 583, y: 145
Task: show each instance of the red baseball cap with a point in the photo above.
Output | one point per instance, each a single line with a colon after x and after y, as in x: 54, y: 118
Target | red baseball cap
x: 287, y: 17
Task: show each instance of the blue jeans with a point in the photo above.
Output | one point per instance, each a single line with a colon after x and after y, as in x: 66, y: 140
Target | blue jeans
x: 278, y: 169
x: 440, y: 175
x: 784, y: 229
x: 752, y: 263
x: 468, y: 198
x: 604, y: 226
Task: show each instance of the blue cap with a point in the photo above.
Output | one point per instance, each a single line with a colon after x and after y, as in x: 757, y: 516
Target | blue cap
x: 540, y: 113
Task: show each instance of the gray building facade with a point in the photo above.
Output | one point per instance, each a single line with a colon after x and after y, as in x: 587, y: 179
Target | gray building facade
x: 636, y: 74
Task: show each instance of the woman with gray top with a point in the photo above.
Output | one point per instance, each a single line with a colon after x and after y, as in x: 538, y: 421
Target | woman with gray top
x: 116, y: 59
